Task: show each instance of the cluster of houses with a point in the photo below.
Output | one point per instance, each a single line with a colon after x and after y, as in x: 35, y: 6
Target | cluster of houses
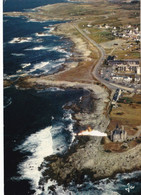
x: 132, y: 34
x: 125, y: 70
x: 125, y: 79
x: 128, y: 31
x: 125, y: 66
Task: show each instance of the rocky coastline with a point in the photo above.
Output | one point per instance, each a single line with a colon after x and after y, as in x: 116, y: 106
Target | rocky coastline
x: 87, y: 155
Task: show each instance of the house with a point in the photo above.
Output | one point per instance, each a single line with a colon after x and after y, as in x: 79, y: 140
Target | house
x: 137, y: 79
x: 117, y: 78
x: 107, y: 26
x: 139, y: 70
x: 118, y: 134
x: 125, y: 65
x: 127, y: 78
x: 89, y: 25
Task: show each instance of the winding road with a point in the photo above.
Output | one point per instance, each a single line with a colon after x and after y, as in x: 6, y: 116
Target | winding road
x: 111, y: 86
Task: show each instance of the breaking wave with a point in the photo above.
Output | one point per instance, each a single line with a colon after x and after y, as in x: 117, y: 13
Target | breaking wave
x: 42, y: 34
x: 17, y: 54
x: 41, y: 47
x: 52, y: 89
x: 39, y: 66
x: 39, y: 145
x: 20, y: 40
x: 7, y: 101
x: 24, y: 65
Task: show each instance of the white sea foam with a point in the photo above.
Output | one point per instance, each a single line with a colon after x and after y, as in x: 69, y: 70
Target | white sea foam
x: 61, y: 60
x: 39, y: 66
x: 128, y: 175
x: 51, y: 29
x: 24, y: 65
x: 38, y: 40
x: 59, y: 49
x: 17, y: 54
x: 107, y: 186
x: 39, y: 145
x: 41, y: 47
x: 52, y: 89
x: 46, y: 27
x: 68, y: 117
x: 59, y: 142
x: 19, y: 71
x: 21, y: 40
x: 42, y: 34
x: 32, y: 20
x: 11, y: 76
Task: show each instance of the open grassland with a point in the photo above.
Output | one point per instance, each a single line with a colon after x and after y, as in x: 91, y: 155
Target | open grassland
x: 98, y: 35
x: 125, y: 114
x: 126, y: 54
x: 96, y: 12
x: 128, y: 113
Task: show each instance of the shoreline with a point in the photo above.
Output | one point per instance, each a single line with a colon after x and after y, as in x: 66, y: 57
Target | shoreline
x: 95, y: 160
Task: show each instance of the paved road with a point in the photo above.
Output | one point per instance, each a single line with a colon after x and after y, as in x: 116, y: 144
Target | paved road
x: 95, y: 72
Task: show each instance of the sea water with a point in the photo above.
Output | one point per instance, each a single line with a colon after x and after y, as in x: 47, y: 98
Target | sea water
x: 36, y: 126
x: 35, y: 123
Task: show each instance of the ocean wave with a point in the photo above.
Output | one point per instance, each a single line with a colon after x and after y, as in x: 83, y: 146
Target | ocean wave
x: 51, y: 29
x: 42, y: 34
x: 20, y: 40
x: 19, y: 71
x: 46, y: 27
x: 32, y: 20
x: 68, y: 117
x: 126, y: 176
x: 106, y: 186
x: 41, y: 47
x: 59, y: 49
x: 39, y: 66
x: 59, y: 142
x: 10, y: 76
x: 7, y: 101
x: 52, y: 89
x: 24, y: 65
x: 38, y: 40
x: 61, y: 60
x: 44, y: 67
x: 17, y: 54
x: 40, y: 145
